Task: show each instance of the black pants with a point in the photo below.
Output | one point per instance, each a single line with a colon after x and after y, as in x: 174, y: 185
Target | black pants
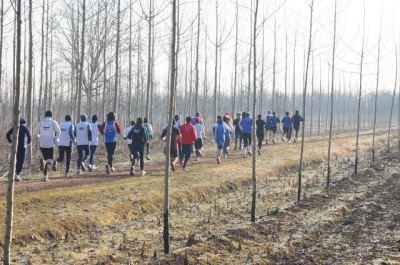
x: 260, y: 138
x: 187, y: 151
x: 47, y: 154
x: 110, y: 147
x: 93, y: 149
x: 246, y: 139
x: 68, y: 151
x: 135, y: 149
x: 238, y: 135
x: 21, y: 154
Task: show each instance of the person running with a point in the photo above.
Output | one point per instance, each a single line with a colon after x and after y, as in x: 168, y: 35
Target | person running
x: 189, y: 137
x: 175, y: 138
x: 219, y: 129
x: 247, y: 128
x: 296, y: 119
x: 201, y: 133
x: 238, y: 132
x: 138, y: 136
x: 110, y: 129
x: 197, y: 115
x: 287, y: 127
x: 149, y: 128
x: 47, y: 131
x: 267, y: 121
x: 261, y: 127
x: 67, y: 138
x: 95, y: 126
x: 273, y: 125
x: 83, y: 137
x: 24, y: 138
x: 228, y: 121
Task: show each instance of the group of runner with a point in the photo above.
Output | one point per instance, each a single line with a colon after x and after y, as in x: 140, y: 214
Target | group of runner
x: 138, y: 136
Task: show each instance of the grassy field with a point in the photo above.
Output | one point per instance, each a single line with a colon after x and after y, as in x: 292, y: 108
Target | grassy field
x: 120, y: 221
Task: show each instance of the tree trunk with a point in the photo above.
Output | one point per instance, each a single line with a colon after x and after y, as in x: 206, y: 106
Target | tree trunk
x: 116, y: 88
x: 359, y: 97
x: 41, y: 65
x: 16, y: 112
x: 216, y: 63
x: 82, y: 60
x: 130, y: 62
x: 170, y: 119
x: 254, y: 175
x: 196, y: 97
x: 332, y: 89
x: 273, y: 72
x: 304, y: 101
x: 391, y: 108
x: 29, y: 115
x: 235, y: 60
x: 376, y: 93
x: 149, y: 74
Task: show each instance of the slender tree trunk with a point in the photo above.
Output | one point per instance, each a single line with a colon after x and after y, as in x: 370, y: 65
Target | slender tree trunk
x: 249, y: 62
x: 196, y: 98
x: 16, y: 112
x: 236, y: 59
x: 320, y: 97
x: 216, y: 62
x: 130, y: 62
x: 254, y: 175
x: 304, y: 99
x: 116, y: 88
x: 312, y: 97
x: 391, y: 108
x: 82, y: 60
x: 30, y: 80
x: 294, y: 73
x: 286, y: 72
x: 41, y: 65
x: 359, y: 98
x: 149, y: 74
x: 332, y: 89
x: 170, y: 119
x: 1, y: 51
x: 376, y: 93
x: 273, y: 71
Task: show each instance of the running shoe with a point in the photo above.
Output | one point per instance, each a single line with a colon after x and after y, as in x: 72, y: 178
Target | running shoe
x: 259, y: 151
x: 132, y: 172
x: 282, y: 139
x: 45, y: 178
x: 148, y: 157
x: 83, y: 166
x: 218, y: 160
x: 112, y: 169
x: 295, y: 140
x: 273, y: 141
x: 249, y: 153
x: 17, y: 178
x: 131, y: 157
x: 185, y: 169
x: 78, y: 172
x: 289, y: 142
x: 90, y: 167
x: 199, y: 153
x: 172, y: 166
x: 142, y: 173
x: 108, y: 169
x: 181, y: 161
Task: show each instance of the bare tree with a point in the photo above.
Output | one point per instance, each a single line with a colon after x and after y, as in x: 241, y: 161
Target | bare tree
x: 116, y: 88
x: 16, y: 112
x: 30, y: 79
x: 391, y: 108
x: 170, y: 119
x: 304, y: 99
x: 359, y: 97
x: 82, y: 59
x: 196, y: 97
x: 376, y: 92
x: 332, y: 87
x: 254, y: 175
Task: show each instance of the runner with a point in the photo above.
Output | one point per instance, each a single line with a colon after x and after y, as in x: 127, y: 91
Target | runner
x: 287, y: 127
x: 261, y: 127
x: 197, y: 115
x: 269, y: 132
x: 228, y: 121
x: 83, y: 137
x: 273, y: 125
x: 296, y: 119
x: 24, y: 138
x: 247, y: 128
x: 219, y: 129
x: 95, y: 141
x: 47, y: 131
x: 201, y: 133
x: 67, y: 138
x: 176, y: 135
x: 189, y: 137
x: 149, y: 128
x: 110, y: 129
x: 138, y: 136
x: 238, y: 132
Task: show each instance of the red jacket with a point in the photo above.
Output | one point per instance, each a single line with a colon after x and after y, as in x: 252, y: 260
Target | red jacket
x: 188, y: 133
